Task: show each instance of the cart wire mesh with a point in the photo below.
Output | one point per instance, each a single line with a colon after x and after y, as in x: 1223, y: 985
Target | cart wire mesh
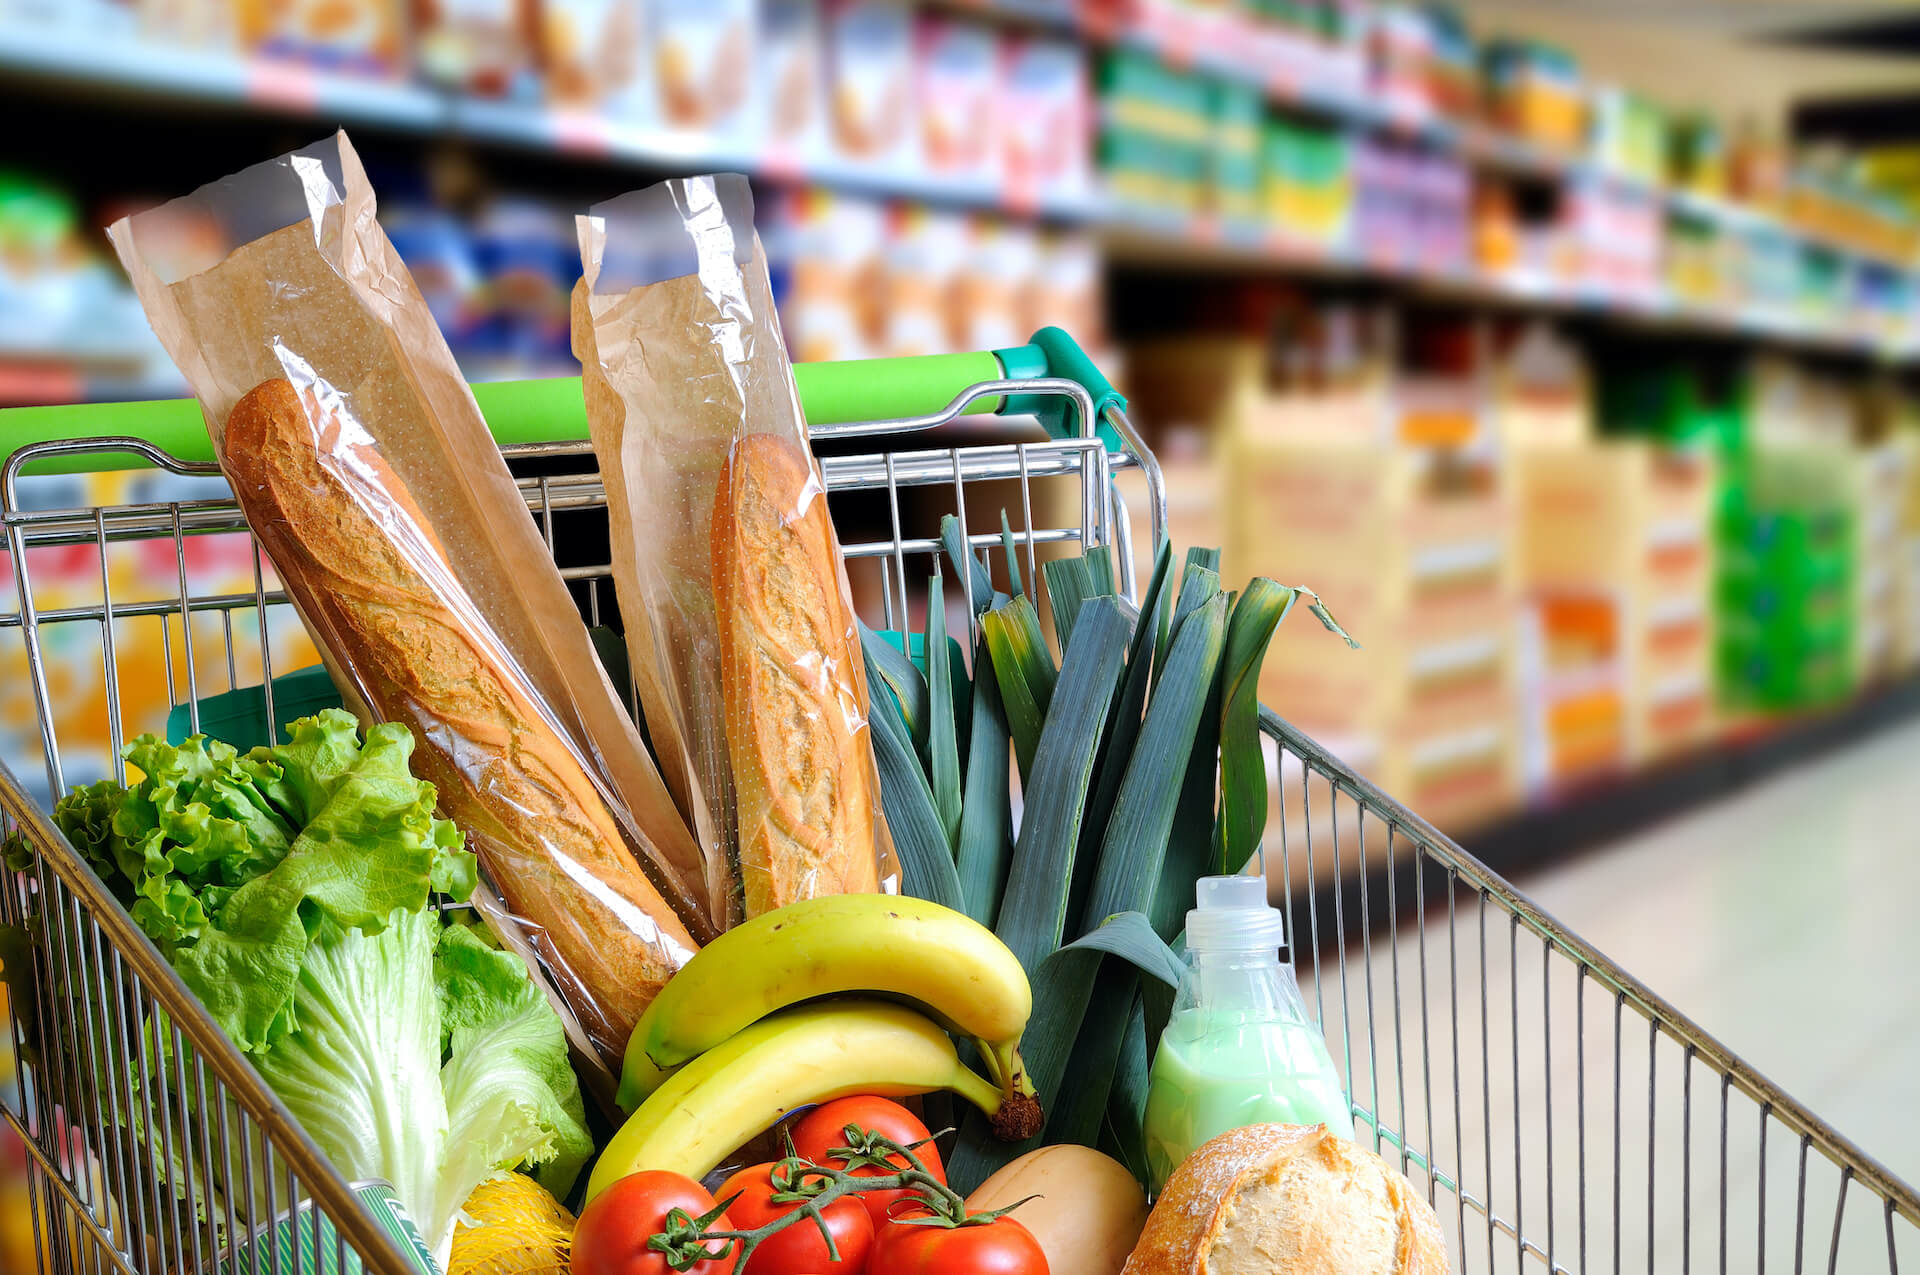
x: 1557, y: 1113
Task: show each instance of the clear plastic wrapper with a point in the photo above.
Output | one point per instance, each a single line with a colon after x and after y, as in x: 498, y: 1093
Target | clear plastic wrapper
x: 367, y: 472
x: 739, y: 623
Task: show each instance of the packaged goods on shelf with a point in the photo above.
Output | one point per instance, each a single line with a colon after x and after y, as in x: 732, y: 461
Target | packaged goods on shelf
x: 593, y: 56
x: 1400, y: 46
x: 870, y: 47
x: 1628, y: 135
x: 1700, y: 156
x: 1044, y: 121
x: 702, y: 61
x: 363, y: 36
x: 1535, y: 91
x: 1699, y: 262
x: 793, y: 83
x: 1787, y: 562
x: 486, y: 47
x: 1880, y: 485
x: 1615, y: 548
x: 1539, y: 390
x: 1306, y: 171
x: 958, y: 81
x: 829, y: 255
x: 1411, y: 548
x: 1233, y: 152
x: 1616, y: 234
x: 925, y: 252
x: 1154, y: 132
x: 1411, y: 208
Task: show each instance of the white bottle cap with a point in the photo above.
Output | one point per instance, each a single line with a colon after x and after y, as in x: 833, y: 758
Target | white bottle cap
x: 1233, y: 915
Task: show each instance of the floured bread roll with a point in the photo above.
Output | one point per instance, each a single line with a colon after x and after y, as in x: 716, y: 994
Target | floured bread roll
x: 1278, y: 1199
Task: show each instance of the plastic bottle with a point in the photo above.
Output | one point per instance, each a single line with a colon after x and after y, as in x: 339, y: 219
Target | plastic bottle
x: 1239, y: 1048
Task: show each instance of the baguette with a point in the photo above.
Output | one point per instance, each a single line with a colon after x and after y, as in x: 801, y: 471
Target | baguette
x: 503, y: 773
x: 801, y: 771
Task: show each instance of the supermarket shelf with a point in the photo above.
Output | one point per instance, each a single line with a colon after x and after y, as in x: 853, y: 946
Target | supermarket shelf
x: 1607, y: 810
x: 197, y: 75
x: 1151, y: 238
x: 223, y: 80
x: 63, y: 57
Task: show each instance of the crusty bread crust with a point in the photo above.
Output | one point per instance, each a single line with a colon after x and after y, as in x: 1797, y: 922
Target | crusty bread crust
x: 1308, y: 1166
x: 503, y: 773
x: 801, y: 777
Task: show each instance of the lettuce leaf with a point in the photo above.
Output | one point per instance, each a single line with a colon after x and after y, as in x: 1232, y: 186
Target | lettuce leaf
x: 294, y: 890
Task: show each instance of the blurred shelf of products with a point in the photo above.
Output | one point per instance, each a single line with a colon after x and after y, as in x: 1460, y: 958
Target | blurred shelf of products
x: 1568, y: 564
x: 1335, y: 136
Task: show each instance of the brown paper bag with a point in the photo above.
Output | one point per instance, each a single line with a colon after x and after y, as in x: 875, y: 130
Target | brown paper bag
x: 741, y: 633
x: 366, y: 471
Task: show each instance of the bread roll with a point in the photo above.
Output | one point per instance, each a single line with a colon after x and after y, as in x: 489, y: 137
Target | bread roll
x: 503, y: 773
x: 802, y: 770
x: 1277, y: 1199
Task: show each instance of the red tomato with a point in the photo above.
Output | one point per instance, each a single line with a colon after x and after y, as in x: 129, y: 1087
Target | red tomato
x: 800, y: 1247
x: 612, y: 1235
x: 999, y: 1247
x: 823, y: 1129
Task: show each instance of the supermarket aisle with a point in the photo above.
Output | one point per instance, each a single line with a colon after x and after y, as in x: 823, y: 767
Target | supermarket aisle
x: 1783, y: 920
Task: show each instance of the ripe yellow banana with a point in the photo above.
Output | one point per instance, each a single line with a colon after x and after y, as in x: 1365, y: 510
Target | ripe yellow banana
x: 875, y: 944
x: 791, y: 1059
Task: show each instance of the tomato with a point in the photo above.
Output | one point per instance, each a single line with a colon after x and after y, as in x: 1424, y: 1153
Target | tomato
x: 611, y: 1237
x: 800, y: 1249
x: 823, y: 1129
x: 999, y: 1247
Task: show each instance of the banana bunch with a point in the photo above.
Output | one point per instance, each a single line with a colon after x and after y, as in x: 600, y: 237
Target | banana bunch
x: 848, y: 994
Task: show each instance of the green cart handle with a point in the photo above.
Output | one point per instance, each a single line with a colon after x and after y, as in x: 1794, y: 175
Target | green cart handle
x: 552, y: 410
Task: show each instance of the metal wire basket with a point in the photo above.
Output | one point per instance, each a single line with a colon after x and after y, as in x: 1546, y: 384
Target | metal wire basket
x: 1554, y: 1110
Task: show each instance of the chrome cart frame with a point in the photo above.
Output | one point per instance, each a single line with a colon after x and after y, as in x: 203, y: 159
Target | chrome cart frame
x: 1555, y: 1111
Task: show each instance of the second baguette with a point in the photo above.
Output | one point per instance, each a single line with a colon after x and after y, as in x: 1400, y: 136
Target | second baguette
x: 802, y: 773
x: 503, y: 773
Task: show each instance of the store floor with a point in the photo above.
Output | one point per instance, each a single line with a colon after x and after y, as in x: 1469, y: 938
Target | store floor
x: 1786, y: 921
x: 1781, y: 919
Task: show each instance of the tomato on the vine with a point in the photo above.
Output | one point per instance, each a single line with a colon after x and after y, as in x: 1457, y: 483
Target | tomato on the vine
x: 800, y: 1249
x: 613, y: 1232
x: 823, y: 1130
x: 999, y: 1247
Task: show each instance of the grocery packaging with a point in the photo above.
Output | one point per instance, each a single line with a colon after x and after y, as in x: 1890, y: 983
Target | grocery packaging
x: 740, y: 632
x: 958, y: 77
x: 357, y: 453
x: 295, y: 891
x: 354, y: 35
x: 1247, y: 1197
x: 487, y: 47
x: 703, y: 66
x: 1239, y: 1048
x: 870, y: 51
x: 592, y: 54
x: 793, y: 84
x: 1084, y: 1207
x: 1044, y: 119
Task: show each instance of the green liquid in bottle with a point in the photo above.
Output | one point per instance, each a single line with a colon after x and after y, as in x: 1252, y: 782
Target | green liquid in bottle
x: 1215, y: 1074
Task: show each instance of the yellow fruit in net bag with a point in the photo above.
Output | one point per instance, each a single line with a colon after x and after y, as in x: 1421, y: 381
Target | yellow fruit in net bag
x: 517, y: 1229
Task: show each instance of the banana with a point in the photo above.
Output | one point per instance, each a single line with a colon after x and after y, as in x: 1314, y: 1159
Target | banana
x: 876, y: 944
x: 792, y: 1059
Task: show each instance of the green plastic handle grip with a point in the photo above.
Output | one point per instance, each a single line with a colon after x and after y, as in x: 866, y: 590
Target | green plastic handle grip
x: 552, y: 410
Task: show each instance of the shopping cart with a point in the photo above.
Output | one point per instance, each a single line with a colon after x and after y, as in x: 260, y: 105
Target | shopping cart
x: 1554, y: 1110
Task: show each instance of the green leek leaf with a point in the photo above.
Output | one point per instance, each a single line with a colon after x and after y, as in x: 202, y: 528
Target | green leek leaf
x: 1013, y: 558
x: 926, y: 856
x: 985, y: 844
x: 1071, y: 581
x: 1131, y: 937
x: 1034, y: 911
x: 1127, y: 1100
x: 904, y: 681
x: 1243, y: 764
x: 943, y: 749
x: 1024, y: 667
x: 962, y: 556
